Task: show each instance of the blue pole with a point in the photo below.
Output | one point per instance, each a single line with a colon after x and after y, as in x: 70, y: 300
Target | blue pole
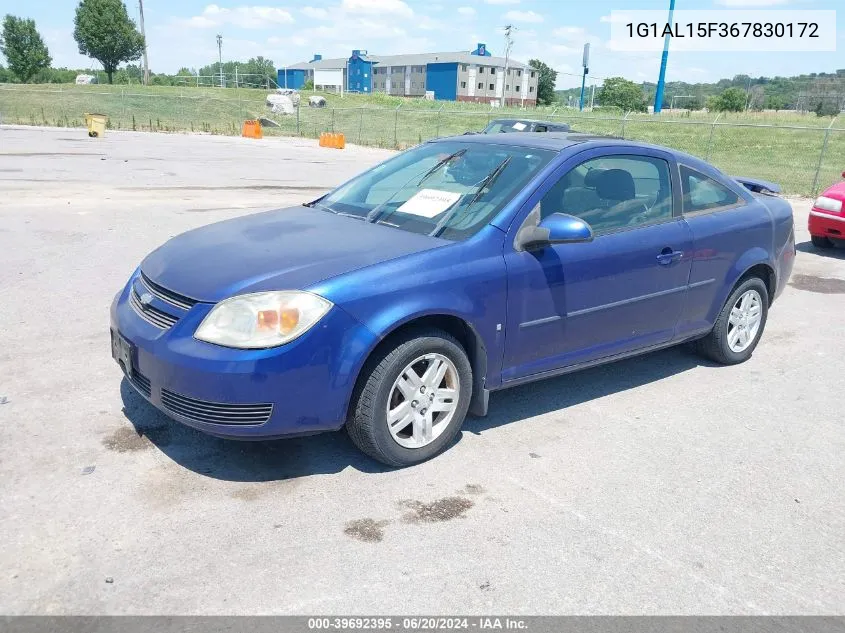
x: 658, y: 97
x: 583, y: 81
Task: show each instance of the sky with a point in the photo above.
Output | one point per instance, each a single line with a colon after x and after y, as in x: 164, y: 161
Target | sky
x: 182, y: 33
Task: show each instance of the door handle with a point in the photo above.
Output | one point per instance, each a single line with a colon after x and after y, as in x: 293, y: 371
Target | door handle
x: 667, y: 256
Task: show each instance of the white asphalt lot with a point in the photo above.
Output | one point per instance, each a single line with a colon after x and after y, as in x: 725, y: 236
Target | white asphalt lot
x: 662, y: 484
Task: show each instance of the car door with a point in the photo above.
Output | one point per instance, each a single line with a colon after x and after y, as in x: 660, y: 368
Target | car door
x: 570, y: 304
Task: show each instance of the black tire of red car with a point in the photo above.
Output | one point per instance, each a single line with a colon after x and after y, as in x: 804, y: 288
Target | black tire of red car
x: 367, y: 423
x: 820, y: 241
x: 715, y: 345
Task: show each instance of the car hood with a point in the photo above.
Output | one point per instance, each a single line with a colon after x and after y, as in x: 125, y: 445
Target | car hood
x: 286, y: 249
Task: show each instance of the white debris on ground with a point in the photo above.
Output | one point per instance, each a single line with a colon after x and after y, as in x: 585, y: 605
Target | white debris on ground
x: 281, y: 104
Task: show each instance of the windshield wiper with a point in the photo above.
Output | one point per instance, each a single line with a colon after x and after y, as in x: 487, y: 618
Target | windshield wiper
x: 440, y: 164
x: 317, y: 203
x: 482, y: 187
x: 373, y: 215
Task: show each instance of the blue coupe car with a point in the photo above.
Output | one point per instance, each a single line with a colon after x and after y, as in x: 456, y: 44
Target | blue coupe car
x: 396, y: 303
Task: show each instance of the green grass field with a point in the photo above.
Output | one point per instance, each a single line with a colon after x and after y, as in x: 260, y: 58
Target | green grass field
x: 784, y: 147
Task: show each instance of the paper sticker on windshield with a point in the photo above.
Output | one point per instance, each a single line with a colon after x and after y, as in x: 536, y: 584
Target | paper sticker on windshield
x: 519, y: 126
x: 429, y: 202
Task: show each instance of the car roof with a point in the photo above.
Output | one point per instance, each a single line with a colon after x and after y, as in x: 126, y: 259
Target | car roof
x: 559, y: 141
x: 506, y: 120
x: 555, y: 141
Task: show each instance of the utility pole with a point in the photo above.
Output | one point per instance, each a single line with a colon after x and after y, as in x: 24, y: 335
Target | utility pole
x: 509, y: 29
x: 220, y: 56
x: 664, y: 60
x: 146, y: 61
x: 593, y: 97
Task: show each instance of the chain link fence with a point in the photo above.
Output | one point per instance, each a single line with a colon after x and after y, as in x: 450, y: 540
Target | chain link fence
x: 802, y: 158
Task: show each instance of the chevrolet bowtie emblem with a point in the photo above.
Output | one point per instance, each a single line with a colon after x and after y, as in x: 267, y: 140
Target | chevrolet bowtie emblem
x: 146, y: 299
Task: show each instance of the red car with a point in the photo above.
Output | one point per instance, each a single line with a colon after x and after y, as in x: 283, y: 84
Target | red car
x: 827, y: 217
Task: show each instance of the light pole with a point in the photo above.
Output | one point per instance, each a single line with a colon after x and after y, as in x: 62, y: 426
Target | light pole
x: 220, y: 56
x: 658, y: 97
x: 146, y: 62
x: 586, y: 63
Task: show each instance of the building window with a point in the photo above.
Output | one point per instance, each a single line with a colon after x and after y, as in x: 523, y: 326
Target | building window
x: 509, y: 71
x: 416, y: 69
x: 481, y: 70
x: 464, y: 67
x: 463, y: 84
x: 492, y: 87
x: 399, y: 69
x: 532, y: 74
x: 530, y: 88
x: 507, y: 88
x: 480, y: 86
x: 517, y: 87
x: 519, y: 73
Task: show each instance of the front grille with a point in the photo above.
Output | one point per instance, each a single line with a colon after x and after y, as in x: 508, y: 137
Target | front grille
x: 151, y: 314
x: 141, y: 383
x: 168, y: 296
x: 215, y: 412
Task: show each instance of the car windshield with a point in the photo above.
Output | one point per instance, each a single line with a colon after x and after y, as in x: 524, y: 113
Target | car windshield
x: 448, y: 189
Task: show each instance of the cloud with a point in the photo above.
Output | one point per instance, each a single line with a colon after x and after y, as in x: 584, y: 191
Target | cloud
x: 751, y: 3
x: 466, y: 10
x: 502, y: 1
x: 317, y: 13
x: 255, y: 17
x: 523, y: 16
x: 615, y: 17
x: 381, y: 7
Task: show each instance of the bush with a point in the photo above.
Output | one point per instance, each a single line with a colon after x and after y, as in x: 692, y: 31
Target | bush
x: 827, y: 107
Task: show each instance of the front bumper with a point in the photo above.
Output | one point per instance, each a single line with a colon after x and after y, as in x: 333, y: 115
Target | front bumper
x: 823, y: 224
x: 299, y: 388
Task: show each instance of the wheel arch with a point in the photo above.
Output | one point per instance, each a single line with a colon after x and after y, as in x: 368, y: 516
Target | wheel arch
x: 465, y: 333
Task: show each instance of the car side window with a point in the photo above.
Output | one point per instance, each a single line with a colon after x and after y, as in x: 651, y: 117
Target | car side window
x: 702, y: 193
x: 613, y: 192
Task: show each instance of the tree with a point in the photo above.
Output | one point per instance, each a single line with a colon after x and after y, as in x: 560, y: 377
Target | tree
x: 546, y: 79
x: 827, y: 107
x: 731, y: 100
x: 621, y: 93
x: 23, y: 47
x: 104, y: 31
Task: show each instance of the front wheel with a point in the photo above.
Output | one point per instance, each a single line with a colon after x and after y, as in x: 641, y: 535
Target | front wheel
x: 740, y: 324
x: 412, y: 402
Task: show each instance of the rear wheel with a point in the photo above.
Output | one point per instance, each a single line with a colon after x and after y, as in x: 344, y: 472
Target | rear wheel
x: 740, y: 324
x: 820, y: 241
x: 413, y: 400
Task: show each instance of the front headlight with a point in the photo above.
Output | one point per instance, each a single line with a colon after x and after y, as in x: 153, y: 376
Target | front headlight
x: 262, y: 319
x: 828, y: 204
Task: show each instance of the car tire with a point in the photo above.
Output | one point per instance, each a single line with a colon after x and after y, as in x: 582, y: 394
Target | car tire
x: 720, y: 344
x: 820, y: 241
x: 378, y: 388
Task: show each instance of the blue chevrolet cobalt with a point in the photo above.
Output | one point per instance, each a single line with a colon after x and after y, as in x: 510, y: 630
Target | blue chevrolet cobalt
x: 395, y: 304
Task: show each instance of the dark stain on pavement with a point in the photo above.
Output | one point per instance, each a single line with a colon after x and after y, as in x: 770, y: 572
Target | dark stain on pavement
x: 366, y: 530
x: 821, y: 285
x: 126, y: 439
x: 246, y: 494
x: 437, y: 511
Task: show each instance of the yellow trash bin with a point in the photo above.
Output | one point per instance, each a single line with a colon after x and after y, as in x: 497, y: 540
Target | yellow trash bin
x: 96, y: 124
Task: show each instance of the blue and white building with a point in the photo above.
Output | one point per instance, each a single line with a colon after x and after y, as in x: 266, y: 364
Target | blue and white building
x: 456, y: 76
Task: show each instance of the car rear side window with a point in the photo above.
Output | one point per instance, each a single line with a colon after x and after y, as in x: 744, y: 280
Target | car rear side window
x: 615, y: 192
x: 702, y: 193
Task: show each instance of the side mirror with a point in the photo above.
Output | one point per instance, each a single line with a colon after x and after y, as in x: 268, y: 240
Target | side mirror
x: 558, y: 228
